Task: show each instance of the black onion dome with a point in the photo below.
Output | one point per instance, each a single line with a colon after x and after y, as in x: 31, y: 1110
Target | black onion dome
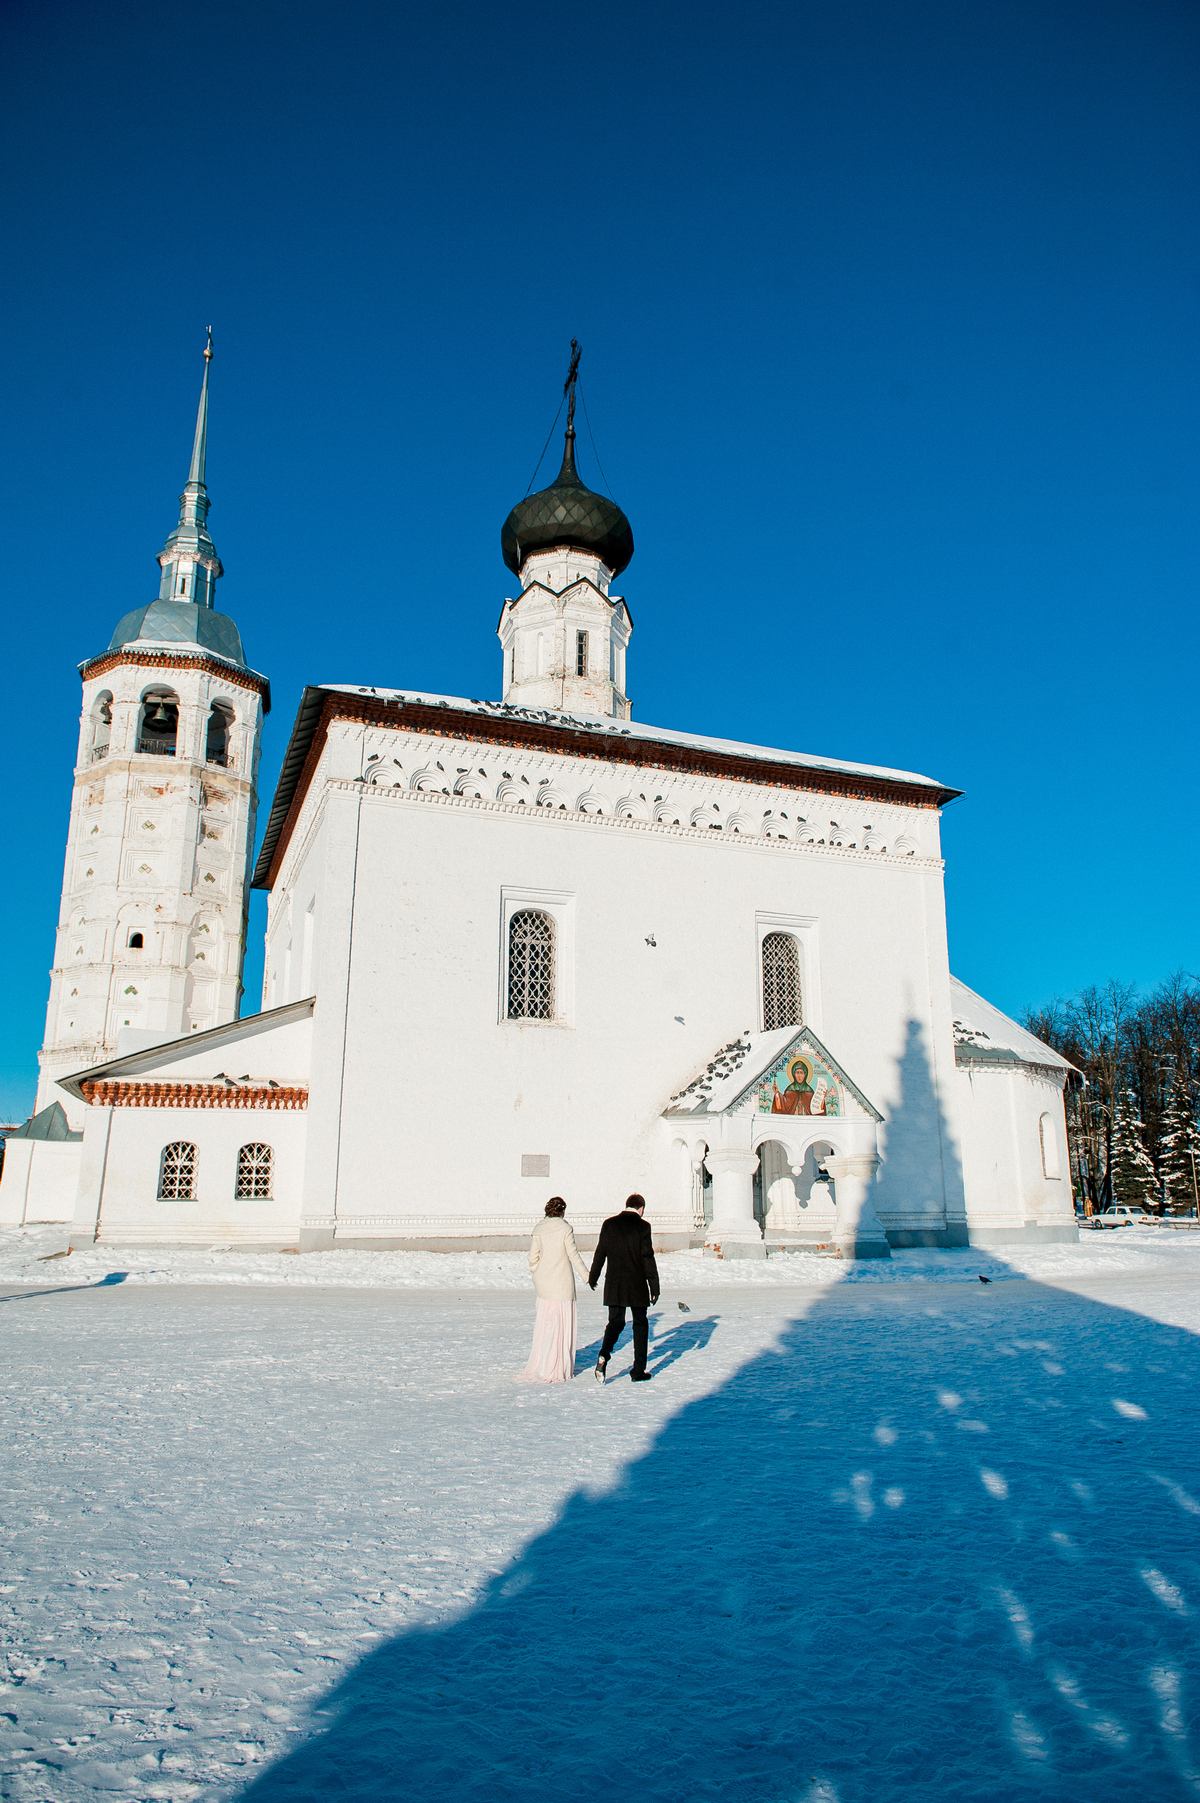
x: 567, y: 513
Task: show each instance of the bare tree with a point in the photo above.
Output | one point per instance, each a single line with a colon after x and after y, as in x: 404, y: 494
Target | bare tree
x: 1122, y: 1042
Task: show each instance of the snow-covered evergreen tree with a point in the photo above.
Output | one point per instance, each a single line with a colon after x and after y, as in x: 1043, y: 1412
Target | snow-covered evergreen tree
x: 1179, y: 1144
x: 1133, y: 1178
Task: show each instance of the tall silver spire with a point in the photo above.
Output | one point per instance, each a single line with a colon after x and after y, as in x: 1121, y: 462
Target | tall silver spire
x: 189, y: 561
x: 200, y: 443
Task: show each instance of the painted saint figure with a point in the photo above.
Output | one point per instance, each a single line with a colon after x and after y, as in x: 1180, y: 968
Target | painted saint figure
x: 797, y: 1097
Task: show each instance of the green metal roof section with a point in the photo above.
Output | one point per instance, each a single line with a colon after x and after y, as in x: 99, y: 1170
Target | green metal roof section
x: 51, y: 1124
x: 181, y: 623
x: 567, y: 513
x: 136, y: 1064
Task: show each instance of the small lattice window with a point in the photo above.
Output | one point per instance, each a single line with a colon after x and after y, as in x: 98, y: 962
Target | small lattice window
x: 530, y: 966
x: 177, y: 1175
x: 581, y: 649
x: 781, y: 982
x: 254, y: 1171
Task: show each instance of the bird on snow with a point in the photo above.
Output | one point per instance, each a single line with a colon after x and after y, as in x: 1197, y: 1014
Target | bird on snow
x: 684, y: 1309
x: 984, y: 1279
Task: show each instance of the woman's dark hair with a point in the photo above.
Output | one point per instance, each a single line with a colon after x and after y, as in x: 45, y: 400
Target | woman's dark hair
x: 556, y: 1206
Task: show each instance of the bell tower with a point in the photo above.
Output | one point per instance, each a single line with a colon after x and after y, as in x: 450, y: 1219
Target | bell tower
x: 565, y: 636
x: 152, y: 924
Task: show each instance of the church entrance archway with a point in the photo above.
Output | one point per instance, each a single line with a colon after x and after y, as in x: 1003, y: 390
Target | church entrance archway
x: 775, y: 1204
x: 814, y: 1187
x: 796, y: 1201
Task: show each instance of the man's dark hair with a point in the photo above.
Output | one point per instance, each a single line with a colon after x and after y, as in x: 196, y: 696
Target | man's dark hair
x: 635, y: 1201
x: 556, y: 1206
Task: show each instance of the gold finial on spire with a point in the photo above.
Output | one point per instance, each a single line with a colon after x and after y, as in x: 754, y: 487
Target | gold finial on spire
x: 208, y: 350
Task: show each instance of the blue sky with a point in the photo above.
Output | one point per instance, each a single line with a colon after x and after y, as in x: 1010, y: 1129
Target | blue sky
x: 889, y: 315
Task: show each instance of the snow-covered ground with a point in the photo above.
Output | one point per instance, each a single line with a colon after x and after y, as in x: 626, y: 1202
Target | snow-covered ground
x: 36, y: 1256
x: 286, y: 1528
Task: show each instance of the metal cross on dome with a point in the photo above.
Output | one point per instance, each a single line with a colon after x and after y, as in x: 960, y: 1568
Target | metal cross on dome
x: 569, y: 384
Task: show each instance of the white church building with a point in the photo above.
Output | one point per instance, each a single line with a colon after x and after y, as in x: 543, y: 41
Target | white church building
x: 514, y: 949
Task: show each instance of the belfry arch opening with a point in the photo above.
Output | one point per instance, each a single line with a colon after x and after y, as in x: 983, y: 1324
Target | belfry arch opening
x: 158, y: 725
x: 101, y: 725
x: 216, y: 743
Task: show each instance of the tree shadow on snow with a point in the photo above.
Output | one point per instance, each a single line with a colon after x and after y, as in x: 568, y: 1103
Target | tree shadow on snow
x: 937, y: 1543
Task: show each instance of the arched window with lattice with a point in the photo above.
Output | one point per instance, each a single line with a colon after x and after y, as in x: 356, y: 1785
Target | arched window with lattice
x: 254, y: 1171
x: 177, y: 1172
x: 531, y: 966
x: 781, y: 982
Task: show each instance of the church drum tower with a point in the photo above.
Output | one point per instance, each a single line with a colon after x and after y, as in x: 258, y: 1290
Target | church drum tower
x: 565, y: 635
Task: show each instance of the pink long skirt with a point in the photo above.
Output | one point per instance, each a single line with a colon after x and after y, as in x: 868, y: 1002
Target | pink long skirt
x: 552, y: 1360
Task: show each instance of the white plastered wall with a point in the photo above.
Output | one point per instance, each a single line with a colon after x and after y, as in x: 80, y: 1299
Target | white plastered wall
x: 1014, y: 1135
x: 39, y: 1181
x: 117, y: 1198
x: 424, y: 1104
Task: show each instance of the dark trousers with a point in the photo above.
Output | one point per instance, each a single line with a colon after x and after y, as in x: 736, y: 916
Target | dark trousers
x: 616, y: 1327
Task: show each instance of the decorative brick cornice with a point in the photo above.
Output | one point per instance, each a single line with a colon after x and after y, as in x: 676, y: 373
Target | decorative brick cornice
x: 320, y: 708
x: 111, y: 1094
x: 179, y: 660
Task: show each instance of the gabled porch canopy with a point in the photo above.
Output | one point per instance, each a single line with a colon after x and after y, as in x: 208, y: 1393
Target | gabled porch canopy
x: 786, y: 1086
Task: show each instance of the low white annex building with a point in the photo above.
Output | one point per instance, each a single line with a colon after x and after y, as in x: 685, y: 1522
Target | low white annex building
x: 513, y: 949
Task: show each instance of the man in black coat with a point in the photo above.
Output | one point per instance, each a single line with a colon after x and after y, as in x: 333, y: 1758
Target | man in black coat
x: 627, y: 1245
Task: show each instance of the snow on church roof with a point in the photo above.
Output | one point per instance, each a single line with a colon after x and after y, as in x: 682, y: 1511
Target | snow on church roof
x: 983, y: 1035
x: 577, y: 732
x: 733, y: 1072
x: 634, y: 729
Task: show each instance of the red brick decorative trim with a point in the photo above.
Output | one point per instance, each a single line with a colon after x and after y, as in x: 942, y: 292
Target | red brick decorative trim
x: 179, y: 660
x: 109, y: 1094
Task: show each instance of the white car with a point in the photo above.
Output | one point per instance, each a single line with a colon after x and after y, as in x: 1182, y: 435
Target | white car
x: 1122, y: 1216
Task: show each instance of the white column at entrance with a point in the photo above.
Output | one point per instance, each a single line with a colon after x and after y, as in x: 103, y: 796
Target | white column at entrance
x: 733, y: 1232
x: 857, y: 1232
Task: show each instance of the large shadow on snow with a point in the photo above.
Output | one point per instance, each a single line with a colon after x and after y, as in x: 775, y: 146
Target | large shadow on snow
x: 916, y: 1131
x: 939, y: 1543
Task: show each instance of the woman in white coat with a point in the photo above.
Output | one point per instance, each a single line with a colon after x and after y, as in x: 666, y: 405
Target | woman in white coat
x: 553, y: 1259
